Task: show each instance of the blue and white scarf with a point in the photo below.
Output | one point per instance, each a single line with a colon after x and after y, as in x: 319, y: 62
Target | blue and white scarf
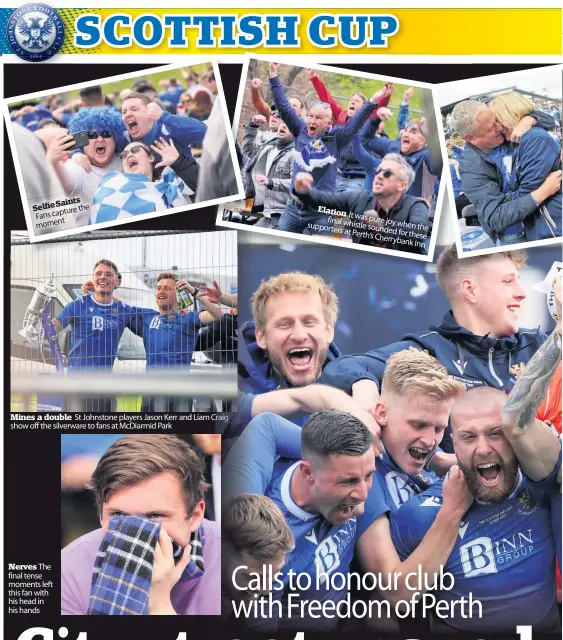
x: 124, y: 195
x: 313, y: 155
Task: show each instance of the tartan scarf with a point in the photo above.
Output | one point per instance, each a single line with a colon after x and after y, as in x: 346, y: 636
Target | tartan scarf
x: 122, y: 575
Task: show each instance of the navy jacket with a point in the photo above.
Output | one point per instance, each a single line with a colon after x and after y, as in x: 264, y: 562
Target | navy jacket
x: 537, y: 155
x: 474, y: 360
x: 335, y: 139
x: 407, y: 210
x: 381, y: 146
x: 256, y: 374
x: 483, y: 181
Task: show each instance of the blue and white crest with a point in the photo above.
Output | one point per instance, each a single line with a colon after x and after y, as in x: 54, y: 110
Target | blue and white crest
x: 35, y: 32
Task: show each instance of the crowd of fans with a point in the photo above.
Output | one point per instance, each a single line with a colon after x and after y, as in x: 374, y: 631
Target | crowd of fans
x: 119, y: 155
x: 436, y: 453
x: 505, y: 166
x: 302, y: 162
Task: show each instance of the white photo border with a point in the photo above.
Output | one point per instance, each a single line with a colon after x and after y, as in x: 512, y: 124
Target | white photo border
x: 446, y: 177
x: 319, y: 239
x: 146, y: 216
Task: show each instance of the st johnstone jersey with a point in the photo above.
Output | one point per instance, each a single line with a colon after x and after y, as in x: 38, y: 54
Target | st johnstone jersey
x: 504, y: 556
x: 170, y: 339
x: 320, y: 547
x: 96, y: 330
x: 391, y: 489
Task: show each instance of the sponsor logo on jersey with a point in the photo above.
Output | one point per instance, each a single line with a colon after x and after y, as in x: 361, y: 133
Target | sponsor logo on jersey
x: 399, y: 488
x: 35, y: 32
x: 330, y: 551
x: 155, y: 323
x: 484, y: 555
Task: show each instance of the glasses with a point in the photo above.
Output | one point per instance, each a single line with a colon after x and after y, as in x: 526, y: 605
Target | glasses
x: 92, y: 135
x: 387, y: 173
x: 134, y: 150
x: 413, y: 127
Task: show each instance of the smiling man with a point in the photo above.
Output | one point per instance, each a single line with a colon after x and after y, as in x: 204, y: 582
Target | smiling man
x: 504, y: 554
x: 146, y: 121
x: 97, y: 323
x: 159, y: 479
x: 80, y: 175
x: 486, y: 168
x: 478, y: 341
x: 386, y: 210
x: 290, y: 338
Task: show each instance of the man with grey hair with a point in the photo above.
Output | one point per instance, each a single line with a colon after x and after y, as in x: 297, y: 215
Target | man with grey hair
x: 387, y: 217
x: 318, y: 146
x: 486, y: 166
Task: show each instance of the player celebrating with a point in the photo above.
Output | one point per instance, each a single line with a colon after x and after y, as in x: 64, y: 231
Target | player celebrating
x: 170, y: 336
x: 504, y: 555
x: 478, y: 341
x: 97, y: 323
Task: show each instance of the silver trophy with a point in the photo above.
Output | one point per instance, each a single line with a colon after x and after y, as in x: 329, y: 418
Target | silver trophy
x: 33, y: 314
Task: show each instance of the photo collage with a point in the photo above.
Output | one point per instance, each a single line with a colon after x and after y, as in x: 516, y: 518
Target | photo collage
x: 298, y: 327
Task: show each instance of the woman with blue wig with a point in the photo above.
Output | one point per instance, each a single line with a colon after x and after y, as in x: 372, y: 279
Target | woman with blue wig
x: 81, y: 174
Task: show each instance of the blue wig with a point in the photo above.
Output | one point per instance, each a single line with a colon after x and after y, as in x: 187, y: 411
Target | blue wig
x: 100, y: 119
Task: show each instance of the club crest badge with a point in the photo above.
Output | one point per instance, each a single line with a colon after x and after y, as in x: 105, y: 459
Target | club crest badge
x: 35, y: 32
x: 516, y: 370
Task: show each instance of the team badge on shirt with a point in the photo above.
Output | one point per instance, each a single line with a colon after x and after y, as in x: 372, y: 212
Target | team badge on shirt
x: 517, y: 370
x: 525, y: 499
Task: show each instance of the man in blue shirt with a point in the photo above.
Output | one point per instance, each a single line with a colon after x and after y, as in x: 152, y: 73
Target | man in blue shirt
x: 97, y: 323
x: 321, y: 497
x: 170, y: 336
x: 147, y: 121
x: 318, y: 146
x: 504, y: 554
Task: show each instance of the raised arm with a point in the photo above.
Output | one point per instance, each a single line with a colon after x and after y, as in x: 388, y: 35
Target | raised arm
x: 325, y: 95
x: 302, y: 401
x: 535, y: 444
x: 214, y: 294
x: 250, y: 137
x: 286, y: 111
x: 183, y: 130
x: 258, y: 102
x: 249, y: 465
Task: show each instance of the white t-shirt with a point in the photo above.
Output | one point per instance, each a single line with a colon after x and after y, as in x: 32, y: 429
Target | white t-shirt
x: 86, y: 185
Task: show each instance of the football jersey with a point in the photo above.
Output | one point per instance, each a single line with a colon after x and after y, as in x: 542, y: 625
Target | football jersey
x: 170, y: 339
x: 254, y: 465
x: 504, y: 555
x: 320, y: 548
x: 96, y: 330
x: 391, y: 488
